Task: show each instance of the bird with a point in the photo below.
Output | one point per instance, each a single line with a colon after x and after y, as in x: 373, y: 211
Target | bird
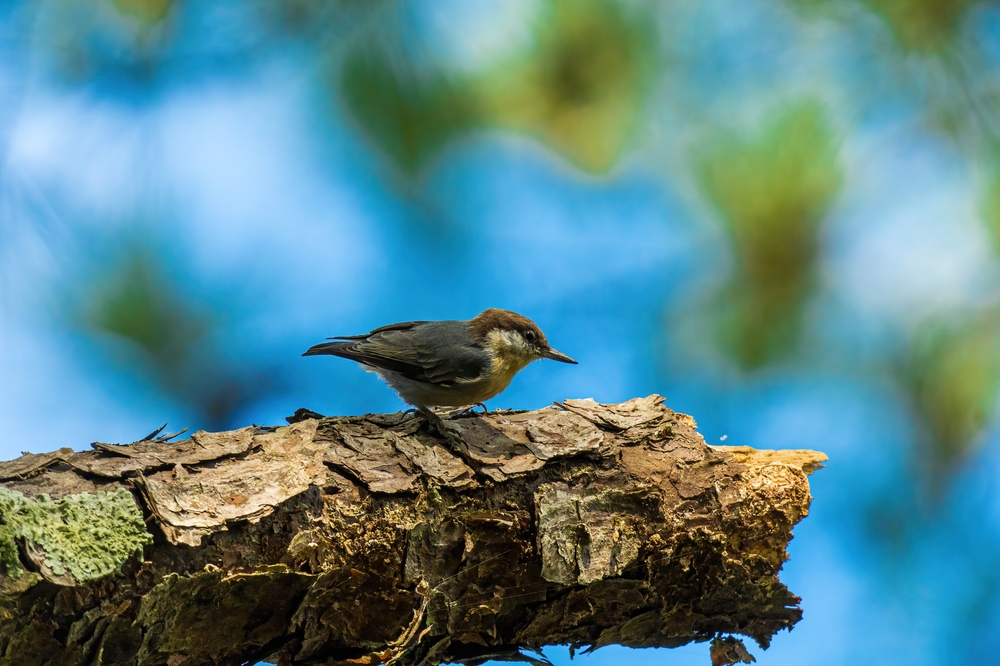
x: 447, y: 363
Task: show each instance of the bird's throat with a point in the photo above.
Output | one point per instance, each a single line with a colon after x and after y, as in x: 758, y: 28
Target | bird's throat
x: 509, y: 354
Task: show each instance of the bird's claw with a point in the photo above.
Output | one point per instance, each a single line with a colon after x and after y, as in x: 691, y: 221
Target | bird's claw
x: 435, y: 422
x: 471, y: 410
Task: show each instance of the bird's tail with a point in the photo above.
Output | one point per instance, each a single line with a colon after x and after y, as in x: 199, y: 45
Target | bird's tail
x: 332, y: 348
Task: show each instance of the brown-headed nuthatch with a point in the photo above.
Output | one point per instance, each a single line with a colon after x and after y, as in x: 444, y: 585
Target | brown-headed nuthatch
x: 447, y: 363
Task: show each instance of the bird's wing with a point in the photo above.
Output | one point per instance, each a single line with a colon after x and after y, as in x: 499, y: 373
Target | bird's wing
x: 402, y: 326
x: 437, y: 352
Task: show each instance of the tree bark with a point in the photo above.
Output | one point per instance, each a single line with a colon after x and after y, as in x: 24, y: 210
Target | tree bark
x: 399, y: 539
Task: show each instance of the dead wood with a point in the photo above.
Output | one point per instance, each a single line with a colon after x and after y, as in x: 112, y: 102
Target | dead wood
x: 388, y: 539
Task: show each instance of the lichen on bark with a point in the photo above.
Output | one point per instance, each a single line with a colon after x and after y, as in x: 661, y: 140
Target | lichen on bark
x: 390, y: 538
x: 75, y: 539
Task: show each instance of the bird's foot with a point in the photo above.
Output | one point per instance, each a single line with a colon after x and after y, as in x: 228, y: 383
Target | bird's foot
x: 448, y: 414
x: 471, y: 410
x: 435, y: 422
x: 432, y: 419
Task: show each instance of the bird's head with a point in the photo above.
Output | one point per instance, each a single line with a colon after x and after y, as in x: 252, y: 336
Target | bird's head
x: 513, y: 338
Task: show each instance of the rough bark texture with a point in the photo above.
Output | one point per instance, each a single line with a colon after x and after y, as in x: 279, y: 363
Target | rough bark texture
x: 387, y: 538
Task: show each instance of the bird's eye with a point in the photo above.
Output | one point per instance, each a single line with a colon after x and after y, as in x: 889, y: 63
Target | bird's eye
x: 529, y: 336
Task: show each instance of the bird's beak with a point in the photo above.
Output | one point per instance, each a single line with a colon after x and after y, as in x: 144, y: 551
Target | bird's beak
x: 557, y: 356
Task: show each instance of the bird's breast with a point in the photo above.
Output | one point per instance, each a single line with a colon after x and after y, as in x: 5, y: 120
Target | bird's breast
x: 501, y: 371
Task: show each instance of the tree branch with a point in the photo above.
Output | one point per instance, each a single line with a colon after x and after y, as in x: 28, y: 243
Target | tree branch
x: 392, y: 539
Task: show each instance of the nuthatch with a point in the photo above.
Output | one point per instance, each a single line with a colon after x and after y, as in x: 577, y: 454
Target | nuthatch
x: 447, y: 363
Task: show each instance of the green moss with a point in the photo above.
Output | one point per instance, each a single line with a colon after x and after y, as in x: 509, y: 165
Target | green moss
x: 88, y: 535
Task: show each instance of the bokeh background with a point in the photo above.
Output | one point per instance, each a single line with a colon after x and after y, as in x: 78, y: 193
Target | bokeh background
x: 783, y: 215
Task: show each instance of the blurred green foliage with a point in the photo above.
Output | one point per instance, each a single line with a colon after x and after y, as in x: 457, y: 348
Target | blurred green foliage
x: 154, y: 329
x: 91, y: 39
x: 146, y: 12
x: 772, y: 191
x: 922, y: 25
x: 952, y: 374
x: 990, y: 207
x: 410, y: 114
x: 580, y: 89
x: 136, y: 302
x: 929, y: 52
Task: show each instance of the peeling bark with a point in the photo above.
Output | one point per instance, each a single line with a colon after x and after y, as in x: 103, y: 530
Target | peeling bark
x: 389, y: 539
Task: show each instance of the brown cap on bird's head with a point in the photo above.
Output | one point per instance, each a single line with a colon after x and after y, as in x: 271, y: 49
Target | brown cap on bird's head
x: 505, y: 320
x: 495, y: 319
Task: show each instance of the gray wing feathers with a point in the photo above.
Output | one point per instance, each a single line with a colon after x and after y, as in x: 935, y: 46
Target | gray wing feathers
x: 437, y: 352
